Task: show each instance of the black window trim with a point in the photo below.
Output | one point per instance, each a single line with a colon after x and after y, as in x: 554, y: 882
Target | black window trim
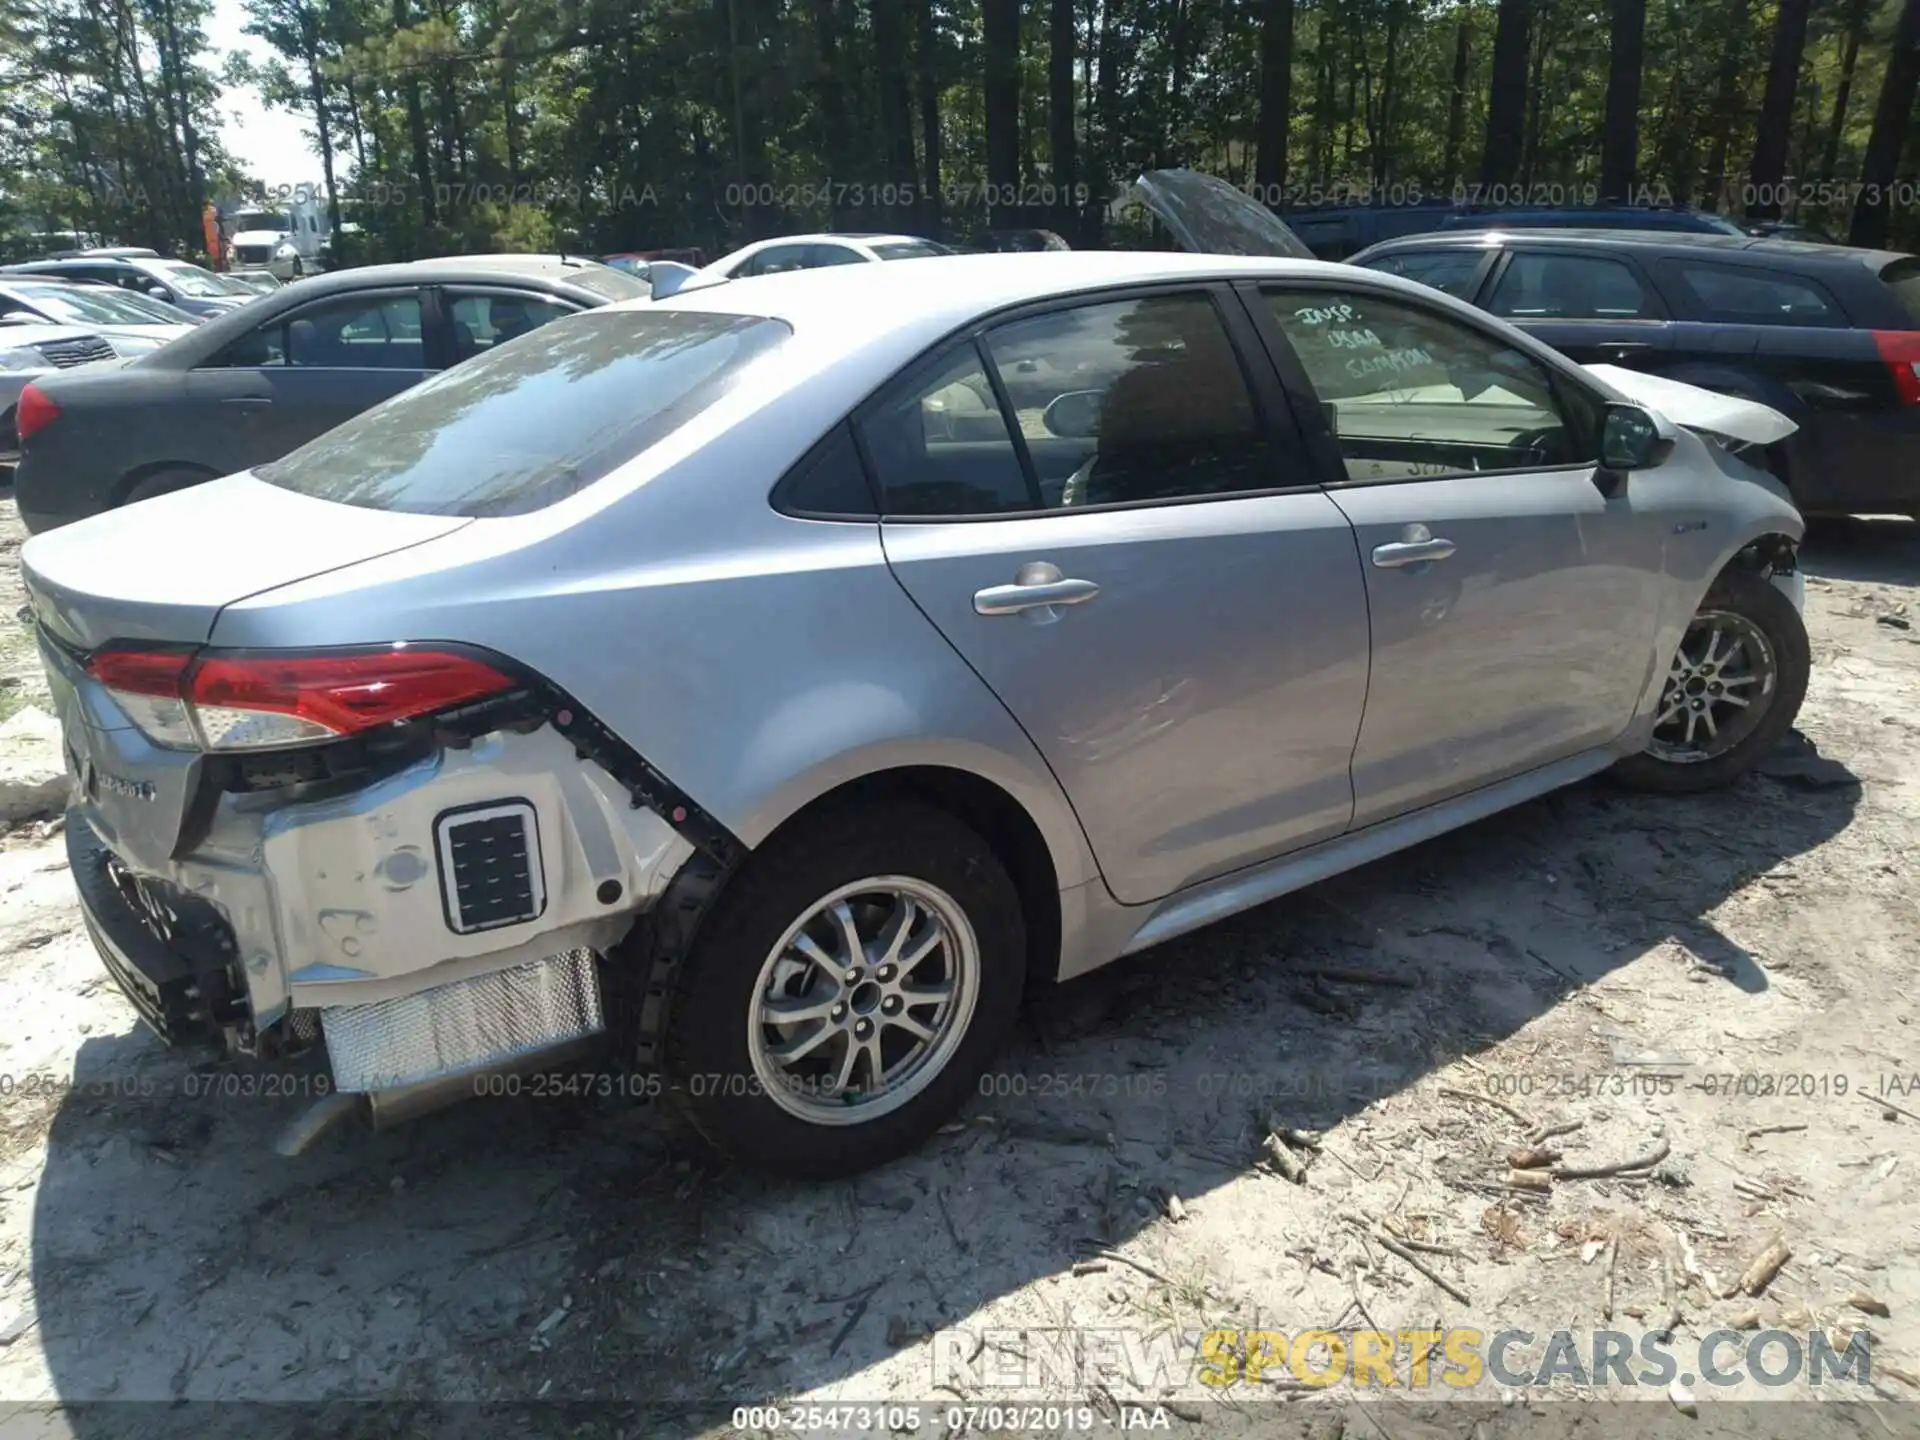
x: 1273, y: 416
x: 294, y: 312
x: 781, y: 496
x: 1491, y: 286
x: 1305, y: 400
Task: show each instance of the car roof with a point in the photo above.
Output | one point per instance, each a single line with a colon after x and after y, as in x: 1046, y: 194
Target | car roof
x: 1759, y: 246
x: 934, y: 296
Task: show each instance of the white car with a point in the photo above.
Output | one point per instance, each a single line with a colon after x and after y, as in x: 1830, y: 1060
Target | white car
x: 814, y: 252
x: 132, y: 324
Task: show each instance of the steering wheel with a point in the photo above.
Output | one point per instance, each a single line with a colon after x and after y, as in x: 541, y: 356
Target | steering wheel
x: 1539, y: 445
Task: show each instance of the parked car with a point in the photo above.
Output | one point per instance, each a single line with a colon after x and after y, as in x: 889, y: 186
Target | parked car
x: 747, y: 674
x: 1827, y: 335
x: 30, y: 352
x: 265, y: 281
x: 1335, y: 232
x: 132, y: 328
x: 635, y: 262
x: 189, y: 287
x: 813, y: 252
x: 1789, y: 230
x: 250, y: 386
x: 1017, y: 242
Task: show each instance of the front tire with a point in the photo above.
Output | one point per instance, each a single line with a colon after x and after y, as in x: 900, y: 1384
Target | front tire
x: 847, y: 992
x: 1733, y: 691
x: 165, y: 482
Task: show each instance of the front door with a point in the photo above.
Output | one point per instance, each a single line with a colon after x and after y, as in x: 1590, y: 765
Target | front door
x: 1513, y: 604
x: 1096, y: 506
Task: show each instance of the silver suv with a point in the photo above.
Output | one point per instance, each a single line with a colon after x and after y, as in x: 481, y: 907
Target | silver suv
x: 777, y: 677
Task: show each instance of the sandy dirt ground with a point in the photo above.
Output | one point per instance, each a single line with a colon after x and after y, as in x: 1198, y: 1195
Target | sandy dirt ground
x: 1724, y: 981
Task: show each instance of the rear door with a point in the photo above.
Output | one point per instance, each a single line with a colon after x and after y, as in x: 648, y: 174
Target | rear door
x: 1104, y: 508
x: 1593, y: 307
x: 1513, y: 606
x: 311, y: 368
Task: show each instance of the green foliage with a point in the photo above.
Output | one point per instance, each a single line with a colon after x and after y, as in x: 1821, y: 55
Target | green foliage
x: 621, y: 124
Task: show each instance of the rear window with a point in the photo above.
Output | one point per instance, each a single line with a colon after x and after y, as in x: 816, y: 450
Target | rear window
x: 1739, y: 295
x: 909, y: 250
x: 613, y: 283
x: 1903, y: 278
x: 535, y: 420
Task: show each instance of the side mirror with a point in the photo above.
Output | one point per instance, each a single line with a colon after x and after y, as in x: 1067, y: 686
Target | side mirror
x: 1074, y: 415
x: 1630, y: 440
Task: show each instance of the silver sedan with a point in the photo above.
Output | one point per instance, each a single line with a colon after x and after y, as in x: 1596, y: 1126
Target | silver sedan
x: 773, y: 679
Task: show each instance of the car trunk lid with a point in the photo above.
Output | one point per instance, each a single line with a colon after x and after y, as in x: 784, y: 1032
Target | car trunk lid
x: 158, y: 575
x: 1209, y: 217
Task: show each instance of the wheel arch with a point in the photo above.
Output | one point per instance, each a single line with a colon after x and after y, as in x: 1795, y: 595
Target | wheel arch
x: 129, y: 482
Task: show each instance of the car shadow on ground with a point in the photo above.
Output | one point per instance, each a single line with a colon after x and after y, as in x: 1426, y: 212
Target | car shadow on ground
x: 570, y: 1248
x: 1874, y: 550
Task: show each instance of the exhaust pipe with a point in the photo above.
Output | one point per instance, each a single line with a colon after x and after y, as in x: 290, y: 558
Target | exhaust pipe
x: 386, y: 1109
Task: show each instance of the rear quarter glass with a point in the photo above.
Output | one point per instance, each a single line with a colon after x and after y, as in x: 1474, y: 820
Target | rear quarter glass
x: 1902, y: 277
x: 538, y: 419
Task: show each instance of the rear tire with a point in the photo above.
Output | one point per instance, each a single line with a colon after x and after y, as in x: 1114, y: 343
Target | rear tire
x: 780, y: 1096
x: 1747, y: 640
x: 165, y: 482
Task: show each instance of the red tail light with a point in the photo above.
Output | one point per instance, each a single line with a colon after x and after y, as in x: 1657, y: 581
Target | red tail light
x: 1899, y: 348
x: 34, y: 412
x: 244, y: 700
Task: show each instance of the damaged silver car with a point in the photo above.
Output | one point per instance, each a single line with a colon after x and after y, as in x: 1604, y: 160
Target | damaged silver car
x: 768, y: 695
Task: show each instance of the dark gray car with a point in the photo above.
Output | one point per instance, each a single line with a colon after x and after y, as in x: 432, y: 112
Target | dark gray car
x: 248, y: 387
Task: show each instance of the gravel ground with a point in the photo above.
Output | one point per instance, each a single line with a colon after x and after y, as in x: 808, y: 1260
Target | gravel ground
x: 1724, y: 980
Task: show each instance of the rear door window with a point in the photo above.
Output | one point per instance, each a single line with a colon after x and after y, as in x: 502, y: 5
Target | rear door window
x: 1738, y: 295
x: 1453, y: 271
x: 483, y: 319
x: 519, y: 428
x: 1545, y: 286
x: 358, y: 332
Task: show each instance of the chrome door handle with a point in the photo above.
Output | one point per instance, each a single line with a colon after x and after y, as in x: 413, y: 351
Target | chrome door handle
x: 1038, y: 585
x: 1410, y: 552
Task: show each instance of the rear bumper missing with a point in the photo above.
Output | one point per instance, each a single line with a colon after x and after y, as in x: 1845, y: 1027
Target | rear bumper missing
x: 373, y: 919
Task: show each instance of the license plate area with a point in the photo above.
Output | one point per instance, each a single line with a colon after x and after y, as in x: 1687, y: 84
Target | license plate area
x: 490, y: 865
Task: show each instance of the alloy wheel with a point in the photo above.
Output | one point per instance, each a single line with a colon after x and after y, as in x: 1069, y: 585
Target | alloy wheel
x: 864, y: 1000
x: 1720, y: 685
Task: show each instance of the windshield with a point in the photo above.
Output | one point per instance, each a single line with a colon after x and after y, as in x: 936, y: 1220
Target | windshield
x: 93, y: 305
x: 532, y: 421
x: 192, y: 280
x: 909, y: 250
x: 262, y: 220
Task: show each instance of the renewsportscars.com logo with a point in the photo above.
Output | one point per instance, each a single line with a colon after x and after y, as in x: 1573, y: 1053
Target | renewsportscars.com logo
x: 1046, y: 1360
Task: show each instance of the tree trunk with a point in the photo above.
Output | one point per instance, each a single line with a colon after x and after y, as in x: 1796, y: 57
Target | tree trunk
x: 196, y: 182
x: 417, y: 131
x: 896, y: 104
x: 1323, y: 47
x: 1457, y: 106
x: 1172, y: 112
x: 1060, y: 132
x: 1002, y: 100
x: 1507, y: 99
x: 1891, y: 118
x: 1620, y: 132
x: 1105, y: 102
x: 1276, y: 100
x: 1536, y: 108
x: 1726, y: 104
x: 926, y: 59
x: 1389, y: 83
x: 831, y: 97
x: 1857, y: 13
x: 323, y: 129
x: 1767, y: 175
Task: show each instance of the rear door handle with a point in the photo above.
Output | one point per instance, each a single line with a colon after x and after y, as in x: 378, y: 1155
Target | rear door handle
x: 250, y: 402
x: 1038, y: 586
x: 1411, y: 552
x: 1624, y: 347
